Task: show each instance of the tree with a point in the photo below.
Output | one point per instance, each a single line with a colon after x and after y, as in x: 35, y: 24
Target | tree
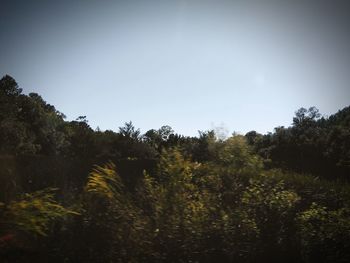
x: 304, y: 116
x: 129, y: 131
x: 9, y: 87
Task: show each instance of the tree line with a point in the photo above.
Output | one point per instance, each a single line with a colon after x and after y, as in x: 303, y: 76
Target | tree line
x: 69, y: 193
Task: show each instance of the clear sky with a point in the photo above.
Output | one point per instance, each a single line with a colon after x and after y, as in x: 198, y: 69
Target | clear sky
x: 193, y: 65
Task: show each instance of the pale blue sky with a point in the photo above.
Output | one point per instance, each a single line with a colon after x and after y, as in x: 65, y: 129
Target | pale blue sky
x: 188, y: 64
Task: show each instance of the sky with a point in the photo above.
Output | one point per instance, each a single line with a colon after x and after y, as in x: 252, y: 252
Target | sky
x: 191, y: 64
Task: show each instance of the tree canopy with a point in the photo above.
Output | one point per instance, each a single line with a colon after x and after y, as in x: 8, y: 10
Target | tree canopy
x: 69, y: 193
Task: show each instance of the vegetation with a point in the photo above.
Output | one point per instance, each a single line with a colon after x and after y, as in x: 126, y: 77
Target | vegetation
x: 72, y: 194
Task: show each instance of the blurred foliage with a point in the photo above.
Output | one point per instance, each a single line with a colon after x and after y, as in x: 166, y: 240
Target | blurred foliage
x: 27, y: 221
x: 34, y: 212
x: 69, y: 193
x: 325, y: 234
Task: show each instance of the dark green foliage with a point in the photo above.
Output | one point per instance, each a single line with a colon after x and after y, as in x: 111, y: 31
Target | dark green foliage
x: 320, y: 146
x: 28, y: 125
x: 72, y: 194
x: 324, y: 234
x: 27, y: 221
